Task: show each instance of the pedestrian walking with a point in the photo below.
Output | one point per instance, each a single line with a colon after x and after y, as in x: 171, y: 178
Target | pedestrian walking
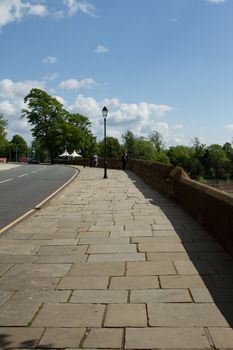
x: 124, y: 160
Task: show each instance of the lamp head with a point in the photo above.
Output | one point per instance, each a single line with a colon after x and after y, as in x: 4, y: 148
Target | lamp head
x: 105, y: 112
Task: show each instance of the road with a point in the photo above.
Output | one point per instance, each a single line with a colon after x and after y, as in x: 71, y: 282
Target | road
x: 23, y: 187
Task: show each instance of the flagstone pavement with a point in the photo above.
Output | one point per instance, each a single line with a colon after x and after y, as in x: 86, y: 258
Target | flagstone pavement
x: 112, y: 264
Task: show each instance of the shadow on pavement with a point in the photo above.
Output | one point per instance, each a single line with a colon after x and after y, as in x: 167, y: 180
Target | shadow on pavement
x: 214, y: 266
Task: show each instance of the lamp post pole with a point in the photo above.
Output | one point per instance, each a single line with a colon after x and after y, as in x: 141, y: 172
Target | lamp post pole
x: 105, y: 113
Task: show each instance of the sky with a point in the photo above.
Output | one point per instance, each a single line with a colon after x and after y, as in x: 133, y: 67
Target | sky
x: 158, y: 65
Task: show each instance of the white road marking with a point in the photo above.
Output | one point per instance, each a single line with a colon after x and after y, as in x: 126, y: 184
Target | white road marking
x: 33, y: 172
x: 23, y: 175
x: 5, y: 180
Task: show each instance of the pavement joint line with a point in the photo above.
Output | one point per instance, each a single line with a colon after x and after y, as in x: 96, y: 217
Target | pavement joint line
x: 123, y: 338
x: 104, y: 315
x: 208, y: 336
x: 84, y: 337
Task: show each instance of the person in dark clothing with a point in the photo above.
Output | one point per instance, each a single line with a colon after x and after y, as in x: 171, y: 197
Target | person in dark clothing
x: 124, y: 160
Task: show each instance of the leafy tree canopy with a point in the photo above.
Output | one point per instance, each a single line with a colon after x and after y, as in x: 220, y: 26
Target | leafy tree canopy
x: 114, y: 149
x: 157, y: 141
x: 54, y: 128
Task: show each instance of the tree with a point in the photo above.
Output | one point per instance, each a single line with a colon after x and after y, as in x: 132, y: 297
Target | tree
x: 77, y: 134
x: 3, y: 141
x: 181, y: 156
x: 216, y: 163
x: 47, y: 116
x: 114, y: 149
x: 157, y: 141
x: 54, y: 128
x: 144, y: 149
x: 19, y: 147
x: 198, y: 147
x: 129, y: 142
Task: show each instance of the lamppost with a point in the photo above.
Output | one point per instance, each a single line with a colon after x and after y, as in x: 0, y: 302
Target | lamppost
x: 105, y: 113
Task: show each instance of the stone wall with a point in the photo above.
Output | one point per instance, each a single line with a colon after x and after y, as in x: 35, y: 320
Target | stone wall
x: 212, y: 208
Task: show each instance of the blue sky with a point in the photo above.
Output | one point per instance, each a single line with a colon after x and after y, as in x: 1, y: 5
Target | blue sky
x: 164, y: 65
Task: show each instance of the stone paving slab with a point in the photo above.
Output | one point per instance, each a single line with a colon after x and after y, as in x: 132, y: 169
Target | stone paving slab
x: 62, y: 337
x: 99, y: 296
x: 116, y: 257
x: 31, y: 283
x: 160, y: 296
x: 19, y: 337
x: 61, y: 259
x: 104, y: 338
x: 161, y: 247
x: 222, y: 337
x: 4, y: 296
x: 123, y: 315
x: 17, y: 314
x: 84, y: 282
x: 197, y: 268
x: 111, y: 264
x: 166, y: 338
x: 70, y: 315
x: 35, y: 270
x: 111, y: 248
x: 185, y: 281
x: 97, y: 269
x: 185, y: 315
x: 171, y: 256
x: 134, y: 282
x: 148, y: 268
x: 41, y: 296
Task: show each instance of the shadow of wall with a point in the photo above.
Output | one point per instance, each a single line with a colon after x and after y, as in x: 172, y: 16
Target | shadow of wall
x: 213, y: 265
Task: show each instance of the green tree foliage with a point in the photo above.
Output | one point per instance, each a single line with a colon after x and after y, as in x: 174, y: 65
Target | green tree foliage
x: 4, y: 145
x: 54, y: 128
x: 180, y: 156
x: 216, y: 163
x: 46, y: 115
x: 144, y: 149
x: 129, y: 143
x: 157, y: 141
x: 114, y: 149
x: 19, y: 147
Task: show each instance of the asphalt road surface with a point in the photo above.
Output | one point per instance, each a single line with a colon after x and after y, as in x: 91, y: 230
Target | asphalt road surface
x: 23, y: 187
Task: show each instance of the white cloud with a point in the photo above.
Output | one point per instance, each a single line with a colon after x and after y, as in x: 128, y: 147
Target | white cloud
x: 37, y: 10
x: 215, y: 1
x: 15, y: 10
x: 138, y: 118
x: 101, y: 49
x: 11, y: 90
x: 60, y: 99
x: 6, y: 108
x: 11, y: 111
x: 229, y: 127
x: 86, y: 8
x: 73, y: 84
x: 74, y: 6
x: 50, y: 60
x: 51, y: 77
x: 87, y: 106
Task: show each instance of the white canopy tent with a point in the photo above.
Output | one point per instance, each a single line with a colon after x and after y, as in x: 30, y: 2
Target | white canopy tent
x: 75, y: 155
x: 64, y: 154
